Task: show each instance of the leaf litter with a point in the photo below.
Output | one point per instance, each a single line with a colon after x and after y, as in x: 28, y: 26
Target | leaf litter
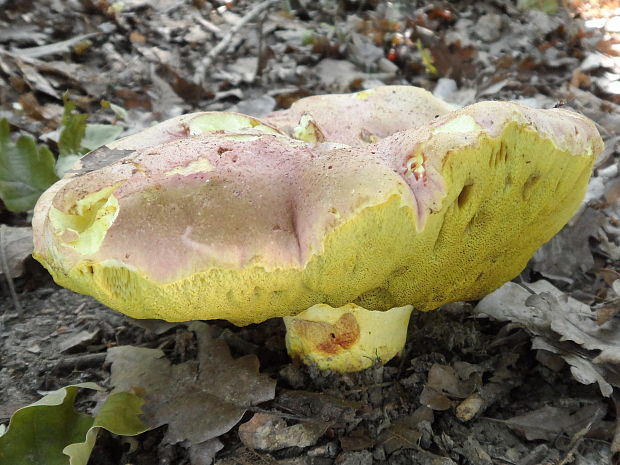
x: 465, y: 382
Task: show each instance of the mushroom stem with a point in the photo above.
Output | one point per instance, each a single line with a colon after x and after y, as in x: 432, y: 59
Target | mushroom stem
x: 346, y: 339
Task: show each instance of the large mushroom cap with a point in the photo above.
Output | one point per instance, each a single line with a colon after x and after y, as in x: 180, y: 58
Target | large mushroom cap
x: 251, y: 224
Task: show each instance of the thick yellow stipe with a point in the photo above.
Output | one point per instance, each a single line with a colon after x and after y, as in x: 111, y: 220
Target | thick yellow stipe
x: 349, y: 338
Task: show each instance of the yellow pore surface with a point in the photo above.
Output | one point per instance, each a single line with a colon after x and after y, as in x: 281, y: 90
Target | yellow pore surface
x: 505, y: 197
x: 346, y: 339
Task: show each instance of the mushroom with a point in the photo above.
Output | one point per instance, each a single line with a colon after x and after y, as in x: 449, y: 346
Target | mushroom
x: 224, y: 216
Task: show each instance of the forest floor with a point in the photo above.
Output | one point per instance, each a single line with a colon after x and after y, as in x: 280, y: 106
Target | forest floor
x: 137, y: 62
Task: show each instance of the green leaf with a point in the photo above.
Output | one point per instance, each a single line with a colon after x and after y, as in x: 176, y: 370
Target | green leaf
x: 26, y: 170
x: 77, y: 137
x: 73, y: 129
x: 51, y: 432
x: 100, y: 134
x: 548, y: 6
x: 119, y: 111
x: 38, y: 433
x: 119, y: 415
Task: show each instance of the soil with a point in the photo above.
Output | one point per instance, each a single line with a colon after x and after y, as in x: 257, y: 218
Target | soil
x: 142, y: 59
x: 33, y: 363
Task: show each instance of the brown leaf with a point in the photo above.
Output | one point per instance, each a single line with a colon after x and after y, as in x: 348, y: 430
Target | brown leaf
x: 434, y: 400
x: 200, y: 399
x: 445, y: 380
x: 593, y: 349
x: 318, y: 406
x: 549, y: 422
x: 98, y: 158
x: 553, y: 261
x: 204, y: 453
x: 358, y: 439
x: 453, y: 60
x: 17, y: 245
x: 404, y: 433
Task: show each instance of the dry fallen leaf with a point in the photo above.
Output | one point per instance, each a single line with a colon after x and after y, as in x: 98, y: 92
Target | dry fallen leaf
x: 405, y: 432
x: 318, y: 406
x: 549, y: 422
x: 558, y: 319
x: 581, y: 366
x: 200, y: 399
x: 444, y: 379
x: 551, y: 259
x: 17, y: 245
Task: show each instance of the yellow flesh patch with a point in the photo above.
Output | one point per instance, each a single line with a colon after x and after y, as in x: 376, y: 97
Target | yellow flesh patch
x: 85, y: 227
x: 307, y: 130
x: 197, y: 166
x: 227, y: 122
x: 505, y: 198
x: 459, y: 125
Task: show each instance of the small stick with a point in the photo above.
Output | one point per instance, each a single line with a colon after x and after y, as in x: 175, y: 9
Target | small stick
x: 569, y: 456
x: 50, y: 49
x: 225, y: 42
x: 288, y: 416
x: 4, y: 265
x: 477, y: 403
x: 80, y: 362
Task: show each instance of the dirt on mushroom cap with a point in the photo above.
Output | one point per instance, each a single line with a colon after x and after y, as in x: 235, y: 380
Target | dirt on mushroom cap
x: 267, y: 226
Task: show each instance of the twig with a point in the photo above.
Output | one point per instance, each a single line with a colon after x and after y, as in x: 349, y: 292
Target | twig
x: 569, y: 456
x: 477, y: 403
x: 288, y: 416
x: 535, y: 456
x: 80, y: 362
x: 225, y: 42
x: 4, y: 265
x: 260, y: 63
x: 208, y: 25
x: 50, y: 49
x: 371, y: 386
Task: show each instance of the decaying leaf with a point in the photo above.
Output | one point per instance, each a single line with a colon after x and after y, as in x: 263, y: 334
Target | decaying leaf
x: 269, y: 432
x: 204, y: 453
x: 405, y: 432
x: 434, y: 400
x: 552, y: 315
x: 98, y: 158
x: 358, y: 439
x: 17, y: 244
x: 200, y: 399
x: 445, y: 379
x: 318, y: 406
x: 51, y: 432
x: 552, y: 260
x: 581, y: 366
x: 550, y: 422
